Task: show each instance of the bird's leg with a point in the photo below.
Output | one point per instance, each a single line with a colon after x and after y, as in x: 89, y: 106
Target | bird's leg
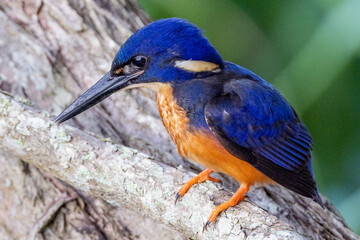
x: 202, y: 177
x: 235, y: 199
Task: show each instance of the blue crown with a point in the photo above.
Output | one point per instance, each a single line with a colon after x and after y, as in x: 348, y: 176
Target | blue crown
x: 169, y: 37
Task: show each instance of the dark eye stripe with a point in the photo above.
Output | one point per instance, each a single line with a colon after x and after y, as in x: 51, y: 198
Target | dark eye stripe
x: 136, y: 63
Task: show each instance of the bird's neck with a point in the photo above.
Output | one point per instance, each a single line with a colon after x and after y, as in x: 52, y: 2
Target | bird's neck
x: 193, y: 95
x: 185, y: 102
x: 173, y: 116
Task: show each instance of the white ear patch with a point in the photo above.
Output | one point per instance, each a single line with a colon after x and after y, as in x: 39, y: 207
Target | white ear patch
x: 197, y: 66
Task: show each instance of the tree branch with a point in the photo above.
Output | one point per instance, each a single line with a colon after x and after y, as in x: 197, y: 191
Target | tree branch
x: 125, y: 177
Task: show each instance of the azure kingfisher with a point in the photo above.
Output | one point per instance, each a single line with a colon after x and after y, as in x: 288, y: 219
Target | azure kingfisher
x: 218, y: 114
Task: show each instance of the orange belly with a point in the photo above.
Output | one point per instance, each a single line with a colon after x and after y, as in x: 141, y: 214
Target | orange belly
x: 201, y: 146
x: 206, y: 150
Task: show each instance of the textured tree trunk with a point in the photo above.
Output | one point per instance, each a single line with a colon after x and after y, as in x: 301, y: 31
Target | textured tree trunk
x: 73, y: 182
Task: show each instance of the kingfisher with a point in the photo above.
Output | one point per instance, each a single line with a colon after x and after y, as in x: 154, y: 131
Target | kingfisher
x: 219, y: 114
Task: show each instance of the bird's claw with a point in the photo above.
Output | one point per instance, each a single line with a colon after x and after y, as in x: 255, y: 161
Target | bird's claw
x: 177, y: 196
x: 206, y: 225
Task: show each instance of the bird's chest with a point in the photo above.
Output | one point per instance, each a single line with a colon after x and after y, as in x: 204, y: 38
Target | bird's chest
x: 182, y: 120
x: 173, y: 117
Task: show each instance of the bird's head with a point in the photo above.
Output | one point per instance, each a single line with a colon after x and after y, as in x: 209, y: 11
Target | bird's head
x: 166, y: 51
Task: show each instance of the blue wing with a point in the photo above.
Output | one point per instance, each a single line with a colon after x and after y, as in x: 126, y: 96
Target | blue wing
x: 257, y: 117
x: 255, y: 123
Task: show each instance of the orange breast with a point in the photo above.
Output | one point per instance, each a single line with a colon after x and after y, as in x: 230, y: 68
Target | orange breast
x: 201, y: 146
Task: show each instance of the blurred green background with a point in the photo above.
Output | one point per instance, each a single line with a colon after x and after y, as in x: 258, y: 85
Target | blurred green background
x: 310, y: 51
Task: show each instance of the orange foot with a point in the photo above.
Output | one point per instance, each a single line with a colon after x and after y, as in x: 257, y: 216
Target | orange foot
x: 235, y: 199
x: 202, y: 177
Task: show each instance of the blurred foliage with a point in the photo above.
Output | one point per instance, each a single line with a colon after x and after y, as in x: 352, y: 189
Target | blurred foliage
x: 310, y: 51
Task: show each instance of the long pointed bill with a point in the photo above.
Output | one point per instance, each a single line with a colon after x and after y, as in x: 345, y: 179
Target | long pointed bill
x: 98, y: 92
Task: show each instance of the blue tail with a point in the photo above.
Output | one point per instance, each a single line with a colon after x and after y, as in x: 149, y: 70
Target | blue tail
x: 317, y: 197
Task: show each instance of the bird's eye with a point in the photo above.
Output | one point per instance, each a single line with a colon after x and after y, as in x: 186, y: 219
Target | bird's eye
x: 139, y: 61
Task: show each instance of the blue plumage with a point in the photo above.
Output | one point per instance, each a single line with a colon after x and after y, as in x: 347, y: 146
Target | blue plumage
x: 169, y: 37
x: 255, y: 116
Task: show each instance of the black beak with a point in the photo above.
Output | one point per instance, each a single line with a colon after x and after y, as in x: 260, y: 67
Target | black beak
x: 106, y: 86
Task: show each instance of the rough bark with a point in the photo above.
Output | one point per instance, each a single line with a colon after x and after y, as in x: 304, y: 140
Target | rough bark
x: 125, y: 177
x: 50, y: 52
